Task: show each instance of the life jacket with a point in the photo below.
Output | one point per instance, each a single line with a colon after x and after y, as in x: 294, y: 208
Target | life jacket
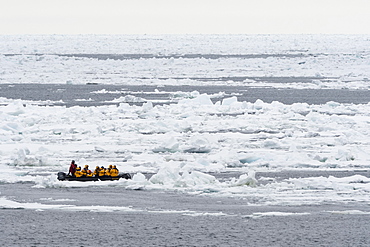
x: 89, y: 173
x: 84, y: 172
x: 78, y: 174
x: 107, y: 172
x: 114, y: 172
x: 101, y: 172
x: 96, y: 171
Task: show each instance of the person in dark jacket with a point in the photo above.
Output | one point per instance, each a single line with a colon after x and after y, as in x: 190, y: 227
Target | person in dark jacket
x: 72, y: 168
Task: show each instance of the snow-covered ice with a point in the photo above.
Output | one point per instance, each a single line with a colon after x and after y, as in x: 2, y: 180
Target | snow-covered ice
x: 332, y: 61
x: 183, y: 142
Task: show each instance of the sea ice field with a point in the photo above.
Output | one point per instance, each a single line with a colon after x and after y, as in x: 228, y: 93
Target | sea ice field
x: 156, y: 115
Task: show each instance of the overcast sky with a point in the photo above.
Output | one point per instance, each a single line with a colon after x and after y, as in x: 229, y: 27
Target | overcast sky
x: 184, y: 16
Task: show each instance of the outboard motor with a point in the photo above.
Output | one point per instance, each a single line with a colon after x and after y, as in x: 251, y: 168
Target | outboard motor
x: 61, y: 176
x: 126, y: 175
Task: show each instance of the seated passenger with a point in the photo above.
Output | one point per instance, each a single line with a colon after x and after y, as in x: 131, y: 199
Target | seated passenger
x: 96, y: 171
x: 78, y: 172
x: 84, y: 171
x: 102, y: 171
x: 89, y: 174
x: 108, y: 171
x: 114, y: 172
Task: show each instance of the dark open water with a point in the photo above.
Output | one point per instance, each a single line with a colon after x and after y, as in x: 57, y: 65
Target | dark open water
x: 151, y: 227
x: 150, y: 223
x: 69, y: 93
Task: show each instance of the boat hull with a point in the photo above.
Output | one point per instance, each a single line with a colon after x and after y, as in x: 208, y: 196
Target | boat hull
x: 62, y: 176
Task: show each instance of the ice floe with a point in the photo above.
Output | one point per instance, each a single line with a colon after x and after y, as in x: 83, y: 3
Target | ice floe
x: 183, y: 144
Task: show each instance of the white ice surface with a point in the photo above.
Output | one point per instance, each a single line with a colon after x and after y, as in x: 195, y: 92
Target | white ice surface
x: 183, y: 141
x: 344, y: 60
x: 10, y: 204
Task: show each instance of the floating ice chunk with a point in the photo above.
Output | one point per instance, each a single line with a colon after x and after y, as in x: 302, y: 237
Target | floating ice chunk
x: 274, y: 214
x: 198, y: 144
x: 171, y: 145
x: 147, y: 106
x: 8, y: 204
x: 197, y: 150
x: 170, y: 176
x: 320, y: 158
x: 350, y: 212
x: 231, y: 104
x: 204, y: 165
x: 355, y: 182
x: 138, y: 182
x: 48, y: 182
x: 344, y: 155
x: 10, y: 175
x: 83, y: 100
x: 301, y: 108
x: 14, y: 108
x: 259, y: 104
x: 274, y: 144
x: 129, y: 99
x: 203, y: 162
x: 180, y: 94
x: 100, y: 149
x: 57, y: 200
x: 196, y: 214
x: 230, y: 101
x: 124, y: 107
x: 278, y: 106
x: 166, y: 175
x: 200, y: 100
x: 195, y: 178
x: 12, y: 127
x: 22, y: 154
x: 248, y: 159
x: 333, y: 104
x: 247, y: 179
x: 139, y: 177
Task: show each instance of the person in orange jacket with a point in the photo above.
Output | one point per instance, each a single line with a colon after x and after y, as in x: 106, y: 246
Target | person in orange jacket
x: 78, y: 172
x: 86, y: 172
x: 108, y: 171
x: 102, y: 171
x: 114, y: 172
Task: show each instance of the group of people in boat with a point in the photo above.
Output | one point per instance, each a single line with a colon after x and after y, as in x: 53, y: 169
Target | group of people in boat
x: 76, y: 171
